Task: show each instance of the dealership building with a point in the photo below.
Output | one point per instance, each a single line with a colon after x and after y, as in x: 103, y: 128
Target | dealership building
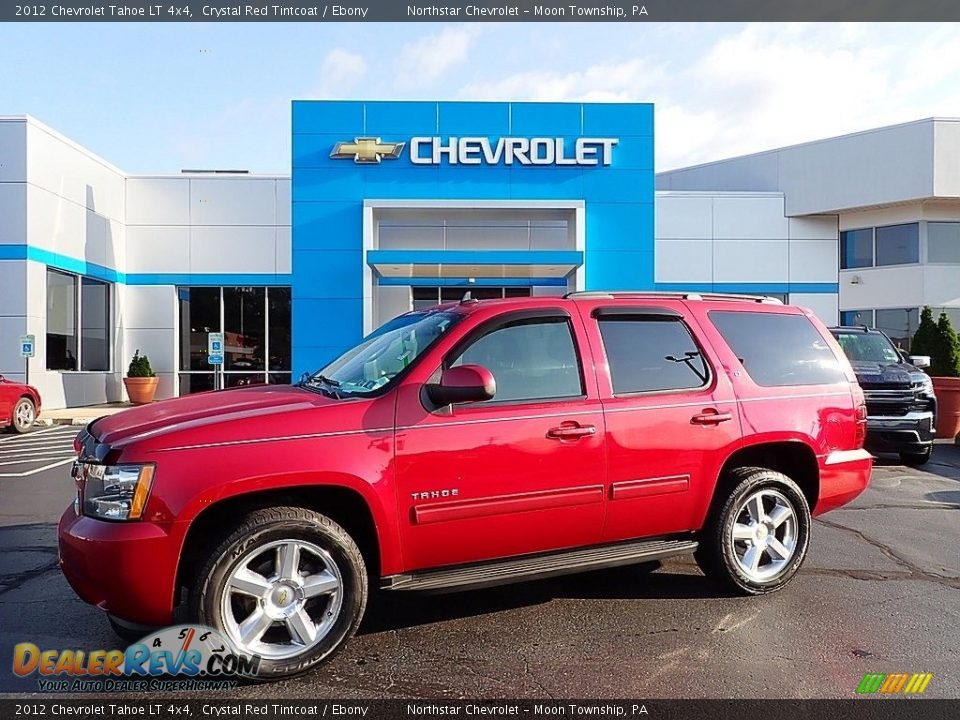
x: 393, y: 206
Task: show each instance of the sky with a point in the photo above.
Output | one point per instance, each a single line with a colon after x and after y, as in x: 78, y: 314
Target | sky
x: 163, y: 97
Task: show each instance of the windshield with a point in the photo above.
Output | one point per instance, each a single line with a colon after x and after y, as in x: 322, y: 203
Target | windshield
x: 384, y: 354
x: 868, y: 347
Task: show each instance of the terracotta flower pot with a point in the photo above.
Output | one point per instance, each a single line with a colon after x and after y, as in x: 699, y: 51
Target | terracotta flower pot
x: 947, y: 390
x: 141, y: 389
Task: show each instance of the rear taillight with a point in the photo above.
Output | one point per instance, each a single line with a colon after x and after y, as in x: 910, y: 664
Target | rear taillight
x: 860, y: 405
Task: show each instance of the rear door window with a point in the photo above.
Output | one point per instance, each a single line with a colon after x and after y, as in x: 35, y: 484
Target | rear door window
x: 649, y: 354
x: 777, y: 349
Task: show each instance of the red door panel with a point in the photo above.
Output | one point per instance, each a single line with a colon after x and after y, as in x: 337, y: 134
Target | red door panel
x: 498, y: 479
x: 664, y: 448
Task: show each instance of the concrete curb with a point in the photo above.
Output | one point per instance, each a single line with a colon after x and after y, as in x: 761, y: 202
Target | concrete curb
x: 50, y: 422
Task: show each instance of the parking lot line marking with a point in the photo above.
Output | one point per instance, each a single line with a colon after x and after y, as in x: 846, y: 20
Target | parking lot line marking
x: 6, y: 460
x: 27, y: 457
x: 57, y: 444
x: 27, y: 473
x: 57, y: 429
x: 58, y: 440
x: 45, y: 444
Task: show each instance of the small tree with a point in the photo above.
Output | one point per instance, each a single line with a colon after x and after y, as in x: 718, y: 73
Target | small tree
x: 925, y: 339
x: 945, y: 358
x: 140, y: 366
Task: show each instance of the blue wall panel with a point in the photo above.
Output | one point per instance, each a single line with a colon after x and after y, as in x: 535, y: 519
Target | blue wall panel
x: 328, y: 195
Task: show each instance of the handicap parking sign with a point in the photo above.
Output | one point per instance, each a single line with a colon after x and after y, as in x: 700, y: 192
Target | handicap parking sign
x: 27, y: 346
x: 215, y: 348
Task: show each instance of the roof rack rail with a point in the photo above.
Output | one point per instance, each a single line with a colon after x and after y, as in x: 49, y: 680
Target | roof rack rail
x: 584, y: 294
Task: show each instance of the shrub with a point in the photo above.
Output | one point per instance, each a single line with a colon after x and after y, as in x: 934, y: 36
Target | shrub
x: 925, y: 339
x: 140, y: 366
x: 945, y: 360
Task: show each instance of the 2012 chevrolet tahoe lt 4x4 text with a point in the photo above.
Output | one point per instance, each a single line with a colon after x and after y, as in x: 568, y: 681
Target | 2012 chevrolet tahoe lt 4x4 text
x: 471, y: 444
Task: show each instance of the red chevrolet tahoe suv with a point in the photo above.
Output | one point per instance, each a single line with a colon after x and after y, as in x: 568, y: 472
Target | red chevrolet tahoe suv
x: 471, y: 444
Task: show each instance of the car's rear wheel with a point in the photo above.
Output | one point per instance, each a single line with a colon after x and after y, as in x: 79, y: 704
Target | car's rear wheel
x: 24, y: 415
x: 914, y: 459
x: 756, y: 537
x: 288, y: 585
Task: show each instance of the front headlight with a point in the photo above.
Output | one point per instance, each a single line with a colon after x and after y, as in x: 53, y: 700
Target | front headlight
x: 922, y: 384
x: 116, y: 492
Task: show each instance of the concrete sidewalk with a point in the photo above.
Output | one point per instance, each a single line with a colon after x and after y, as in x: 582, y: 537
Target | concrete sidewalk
x: 79, y: 415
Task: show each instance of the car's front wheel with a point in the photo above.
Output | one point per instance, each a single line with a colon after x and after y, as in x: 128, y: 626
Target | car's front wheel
x: 24, y: 415
x: 288, y: 585
x: 756, y: 538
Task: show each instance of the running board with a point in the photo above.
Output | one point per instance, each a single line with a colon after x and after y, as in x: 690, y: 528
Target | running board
x: 544, y: 565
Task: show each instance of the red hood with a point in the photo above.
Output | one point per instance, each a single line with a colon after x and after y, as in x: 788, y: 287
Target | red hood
x: 194, y: 412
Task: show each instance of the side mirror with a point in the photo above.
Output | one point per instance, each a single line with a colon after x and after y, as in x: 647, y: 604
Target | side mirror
x: 464, y: 383
x: 920, y: 361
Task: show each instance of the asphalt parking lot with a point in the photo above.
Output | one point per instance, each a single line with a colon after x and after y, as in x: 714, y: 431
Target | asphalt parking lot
x: 878, y: 593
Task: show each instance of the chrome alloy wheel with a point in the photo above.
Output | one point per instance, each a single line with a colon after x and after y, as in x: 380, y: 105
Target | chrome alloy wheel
x: 281, y: 599
x: 24, y: 414
x: 764, y: 535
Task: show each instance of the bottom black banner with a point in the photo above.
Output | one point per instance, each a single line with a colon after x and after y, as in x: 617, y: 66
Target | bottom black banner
x: 873, y: 708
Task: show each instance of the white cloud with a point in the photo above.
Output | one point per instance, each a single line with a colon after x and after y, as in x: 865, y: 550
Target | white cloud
x: 340, y: 72
x: 765, y: 86
x: 427, y: 59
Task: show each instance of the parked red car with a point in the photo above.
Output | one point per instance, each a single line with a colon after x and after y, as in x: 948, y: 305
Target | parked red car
x: 471, y: 444
x: 19, y: 405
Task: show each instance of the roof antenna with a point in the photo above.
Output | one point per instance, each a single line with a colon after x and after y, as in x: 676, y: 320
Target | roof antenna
x: 467, y: 298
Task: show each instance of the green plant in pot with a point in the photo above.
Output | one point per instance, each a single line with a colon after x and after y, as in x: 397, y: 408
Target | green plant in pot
x: 940, y: 341
x: 141, y: 381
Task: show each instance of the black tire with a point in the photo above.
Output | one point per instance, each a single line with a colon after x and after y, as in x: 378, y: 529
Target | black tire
x: 716, y: 553
x: 256, y: 530
x: 916, y: 459
x: 18, y: 425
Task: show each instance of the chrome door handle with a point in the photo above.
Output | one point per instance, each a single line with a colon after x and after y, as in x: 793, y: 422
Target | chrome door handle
x: 711, y: 418
x: 571, y: 431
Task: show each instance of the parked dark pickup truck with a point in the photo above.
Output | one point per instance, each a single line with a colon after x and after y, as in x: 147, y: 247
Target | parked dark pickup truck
x: 901, y: 406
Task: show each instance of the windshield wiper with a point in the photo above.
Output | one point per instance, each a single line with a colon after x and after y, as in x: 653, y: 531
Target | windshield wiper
x: 331, y: 384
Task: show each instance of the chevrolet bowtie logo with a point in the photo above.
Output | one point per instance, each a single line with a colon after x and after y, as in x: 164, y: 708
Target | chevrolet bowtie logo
x: 366, y: 150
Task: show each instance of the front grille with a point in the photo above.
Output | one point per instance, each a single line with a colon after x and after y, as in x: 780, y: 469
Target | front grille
x: 883, y: 387
x: 890, y: 403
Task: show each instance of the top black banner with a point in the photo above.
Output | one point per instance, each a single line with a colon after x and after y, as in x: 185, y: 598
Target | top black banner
x: 483, y: 11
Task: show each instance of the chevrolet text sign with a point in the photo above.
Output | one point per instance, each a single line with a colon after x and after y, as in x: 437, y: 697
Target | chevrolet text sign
x: 511, y: 150
x: 481, y: 150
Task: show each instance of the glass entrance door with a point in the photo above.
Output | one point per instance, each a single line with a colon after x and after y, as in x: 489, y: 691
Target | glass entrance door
x: 255, y: 322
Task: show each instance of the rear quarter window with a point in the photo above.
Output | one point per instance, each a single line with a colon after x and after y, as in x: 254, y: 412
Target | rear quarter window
x: 778, y: 349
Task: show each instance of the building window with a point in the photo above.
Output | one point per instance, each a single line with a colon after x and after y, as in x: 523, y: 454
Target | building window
x: 94, y: 325
x: 61, y: 321
x: 898, y: 244
x: 899, y: 324
x: 943, y: 242
x: 255, y: 322
x: 78, y: 323
x: 856, y: 248
x: 856, y: 318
